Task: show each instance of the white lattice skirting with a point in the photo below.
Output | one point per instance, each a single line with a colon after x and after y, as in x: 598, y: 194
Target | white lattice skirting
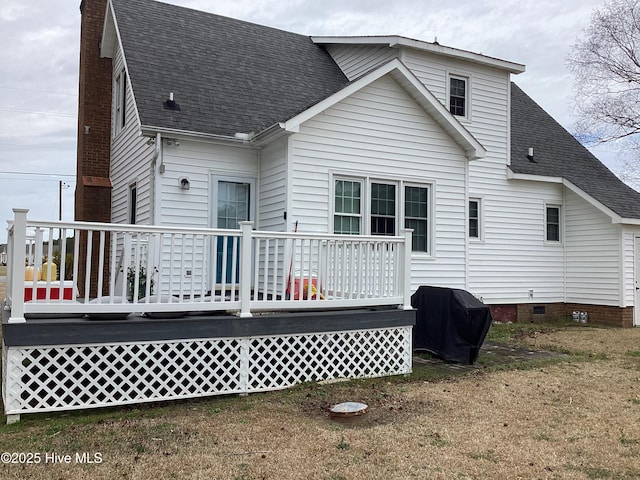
x: 65, y: 377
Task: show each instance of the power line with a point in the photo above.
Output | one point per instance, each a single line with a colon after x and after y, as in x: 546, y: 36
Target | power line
x: 55, y: 114
x: 40, y: 174
x: 38, y: 91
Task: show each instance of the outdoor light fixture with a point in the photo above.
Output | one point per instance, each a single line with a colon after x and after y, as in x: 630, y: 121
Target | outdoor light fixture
x: 184, y: 183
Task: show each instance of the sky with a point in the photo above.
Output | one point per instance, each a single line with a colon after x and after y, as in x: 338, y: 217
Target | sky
x: 39, y: 58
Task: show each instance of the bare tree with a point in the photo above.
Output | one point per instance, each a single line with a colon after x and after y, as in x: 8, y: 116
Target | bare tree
x: 606, y: 66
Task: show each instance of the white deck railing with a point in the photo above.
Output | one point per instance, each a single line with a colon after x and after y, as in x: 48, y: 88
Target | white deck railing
x: 119, y: 268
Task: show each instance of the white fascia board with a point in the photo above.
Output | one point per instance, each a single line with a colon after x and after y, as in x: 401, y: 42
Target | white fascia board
x: 473, y: 148
x: 396, y: 41
x: 109, y: 35
x: 615, y: 218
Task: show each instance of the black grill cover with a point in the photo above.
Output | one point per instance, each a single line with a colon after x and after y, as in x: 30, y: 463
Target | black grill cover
x: 450, y: 323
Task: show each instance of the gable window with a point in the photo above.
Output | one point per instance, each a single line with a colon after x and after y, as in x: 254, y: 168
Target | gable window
x: 388, y: 206
x: 458, y: 96
x: 552, y: 221
x: 474, y: 218
x: 133, y: 203
x: 348, y: 207
x: 416, y: 216
x: 120, y: 101
x: 383, y: 209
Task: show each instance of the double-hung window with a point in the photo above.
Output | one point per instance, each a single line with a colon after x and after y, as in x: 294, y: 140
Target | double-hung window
x: 383, y: 209
x: 474, y: 218
x: 348, y: 207
x: 373, y: 207
x: 416, y: 216
x: 458, y: 96
x: 553, y: 223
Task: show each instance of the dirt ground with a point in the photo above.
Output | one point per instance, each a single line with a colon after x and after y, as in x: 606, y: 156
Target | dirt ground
x: 576, y: 418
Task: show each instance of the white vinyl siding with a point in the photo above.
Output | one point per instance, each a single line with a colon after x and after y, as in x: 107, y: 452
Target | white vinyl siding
x: 381, y: 133
x: 592, y: 246
x: 200, y: 162
x: 272, y: 187
x: 131, y: 158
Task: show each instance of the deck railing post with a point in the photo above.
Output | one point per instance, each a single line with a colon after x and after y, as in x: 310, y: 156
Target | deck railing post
x: 245, y: 268
x: 16, y: 270
x: 404, y: 276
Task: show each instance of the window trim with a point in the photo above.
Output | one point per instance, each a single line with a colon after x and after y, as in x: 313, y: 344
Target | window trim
x: 467, y: 93
x: 560, y: 224
x: 480, y: 219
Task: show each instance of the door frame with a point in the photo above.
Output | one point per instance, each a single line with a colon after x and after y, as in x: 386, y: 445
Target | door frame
x: 213, y: 211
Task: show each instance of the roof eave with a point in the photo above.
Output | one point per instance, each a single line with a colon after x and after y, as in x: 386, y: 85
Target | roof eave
x: 396, y: 41
x: 615, y: 218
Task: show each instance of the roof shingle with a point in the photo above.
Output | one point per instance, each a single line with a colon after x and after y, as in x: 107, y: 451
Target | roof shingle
x: 227, y: 75
x: 558, y: 154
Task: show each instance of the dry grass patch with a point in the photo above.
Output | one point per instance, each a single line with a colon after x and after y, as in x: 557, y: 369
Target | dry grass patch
x: 572, y: 419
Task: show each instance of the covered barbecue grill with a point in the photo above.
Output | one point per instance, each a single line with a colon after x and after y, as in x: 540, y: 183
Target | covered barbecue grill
x: 450, y: 323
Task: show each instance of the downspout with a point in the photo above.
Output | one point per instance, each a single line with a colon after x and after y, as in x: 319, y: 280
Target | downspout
x: 157, y: 168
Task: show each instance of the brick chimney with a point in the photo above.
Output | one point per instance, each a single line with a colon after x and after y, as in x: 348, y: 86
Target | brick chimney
x: 93, y: 192
x: 93, y: 187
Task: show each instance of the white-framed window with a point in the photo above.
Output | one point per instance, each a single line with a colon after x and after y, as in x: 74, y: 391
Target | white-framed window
x: 459, y: 96
x: 553, y: 223
x: 416, y: 216
x: 475, y: 219
x: 383, y: 209
x: 364, y: 206
x: 133, y: 203
x: 120, y: 102
x: 347, y: 217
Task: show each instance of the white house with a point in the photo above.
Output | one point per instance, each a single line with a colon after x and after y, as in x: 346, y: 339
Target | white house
x: 216, y: 120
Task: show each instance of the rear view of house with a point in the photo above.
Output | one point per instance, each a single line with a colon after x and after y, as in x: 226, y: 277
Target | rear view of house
x: 226, y: 121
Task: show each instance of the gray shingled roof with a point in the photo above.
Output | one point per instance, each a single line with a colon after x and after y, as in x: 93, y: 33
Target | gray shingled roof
x: 227, y: 75
x: 559, y: 154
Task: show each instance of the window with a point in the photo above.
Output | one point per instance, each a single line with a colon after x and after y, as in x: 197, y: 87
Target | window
x: 458, y: 96
x: 553, y: 223
x: 474, y: 218
x: 133, y: 203
x: 383, y: 209
x: 386, y: 209
x: 348, y: 211
x: 120, y: 101
x: 416, y: 209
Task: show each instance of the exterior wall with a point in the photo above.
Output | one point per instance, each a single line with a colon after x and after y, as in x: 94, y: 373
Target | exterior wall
x: 131, y: 159
x: 593, y: 272
x: 200, y: 162
x: 381, y: 133
x: 530, y: 312
x: 512, y: 262
x: 273, y: 187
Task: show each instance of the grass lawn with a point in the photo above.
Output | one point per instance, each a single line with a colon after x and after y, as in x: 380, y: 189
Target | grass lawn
x: 573, y: 415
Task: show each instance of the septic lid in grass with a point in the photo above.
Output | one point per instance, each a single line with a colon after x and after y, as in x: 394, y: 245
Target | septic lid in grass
x: 348, y: 409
